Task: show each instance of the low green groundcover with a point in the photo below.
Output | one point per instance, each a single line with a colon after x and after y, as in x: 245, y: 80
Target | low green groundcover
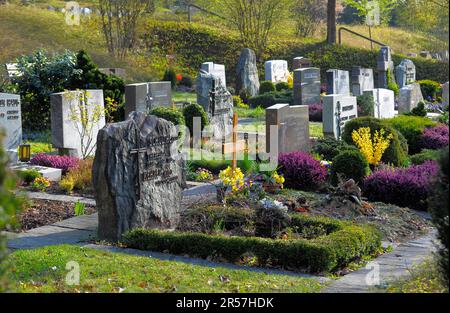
x: 44, y: 270
x: 344, y: 243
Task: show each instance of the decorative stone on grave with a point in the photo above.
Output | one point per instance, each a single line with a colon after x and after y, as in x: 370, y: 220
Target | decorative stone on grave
x: 143, y: 97
x: 445, y: 100
x: 217, y: 101
x: 405, y: 73
x: 384, y: 102
x: 293, y: 127
x: 138, y: 176
x: 11, y: 124
x: 409, y: 97
x: 338, y: 82
x: 276, y: 71
x: 362, y: 79
x: 67, y: 132
x: 301, y: 62
x: 307, y: 86
x: 338, y: 110
x: 52, y: 174
x: 385, y: 65
x: 247, y: 72
x: 216, y: 70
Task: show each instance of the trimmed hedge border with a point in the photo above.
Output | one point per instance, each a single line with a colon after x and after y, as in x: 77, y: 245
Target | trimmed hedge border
x: 344, y: 243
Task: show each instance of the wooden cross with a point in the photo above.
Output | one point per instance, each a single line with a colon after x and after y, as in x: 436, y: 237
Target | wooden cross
x: 235, y: 145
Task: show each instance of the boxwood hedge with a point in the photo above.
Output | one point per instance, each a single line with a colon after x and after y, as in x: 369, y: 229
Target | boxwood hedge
x: 344, y: 243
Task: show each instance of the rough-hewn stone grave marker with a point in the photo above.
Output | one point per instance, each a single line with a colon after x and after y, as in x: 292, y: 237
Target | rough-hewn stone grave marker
x: 276, y: 71
x: 409, y: 97
x: 247, y: 73
x: 142, y: 97
x: 68, y: 134
x: 138, y: 175
x: 293, y: 127
x: 338, y: 82
x: 338, y: 110
x: 384, y: 102
x: 405, y: 73
x: 307, y: 86
x: 362, y: 79
x: 11, y: 123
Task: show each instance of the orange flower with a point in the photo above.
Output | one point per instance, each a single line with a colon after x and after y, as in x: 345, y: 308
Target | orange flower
x: 179, y: 77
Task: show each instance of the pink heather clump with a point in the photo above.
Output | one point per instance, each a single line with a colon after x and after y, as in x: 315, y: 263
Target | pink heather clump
x: 407, y: 187
x: 435, y: 137
x: 56, y: 161
x: 301, y: 171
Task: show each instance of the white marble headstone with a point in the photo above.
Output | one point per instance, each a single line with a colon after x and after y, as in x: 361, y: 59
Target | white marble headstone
x: 277, y: 71
x: 338, y: 110
x: 384, y: 102
x: 216, y: 70
x: 11, y: 123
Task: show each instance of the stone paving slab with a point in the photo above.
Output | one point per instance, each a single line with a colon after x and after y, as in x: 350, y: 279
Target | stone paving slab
x: 391, y: 266
x: 62, y: 198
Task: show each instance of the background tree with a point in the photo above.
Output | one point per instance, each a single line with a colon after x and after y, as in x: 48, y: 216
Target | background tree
x: 331, y: 22
x: 119, y: 20
x: 308, y: 15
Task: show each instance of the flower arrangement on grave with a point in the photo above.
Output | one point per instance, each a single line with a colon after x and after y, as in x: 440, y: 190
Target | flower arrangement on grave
x: 371, y: 148
x: 40, y: 184
x: 202, y: 175
x: 232, y: 178
x: 272, y: 181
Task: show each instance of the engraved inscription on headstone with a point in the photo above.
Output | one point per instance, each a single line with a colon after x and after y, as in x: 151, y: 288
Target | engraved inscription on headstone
x: 405, y: 73
x: 338, y: 82
x: 143, y: 97
x: 11, y: 123
x: 384, y: 102
x: 307, y: 86
x: 276, y: 71
x: 362, y: 79
x: 338, y: 110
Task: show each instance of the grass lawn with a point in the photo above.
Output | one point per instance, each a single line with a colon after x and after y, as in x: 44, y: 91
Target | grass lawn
x: 315, y: 128
x: 184, y: 96
x: 43, y: 270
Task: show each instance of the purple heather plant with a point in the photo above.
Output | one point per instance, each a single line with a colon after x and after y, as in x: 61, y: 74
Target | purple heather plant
x: 56, y: 161
x: 408, y: 187
x: 315, y: 112
x: 301, y: 171
x: 435, y: 137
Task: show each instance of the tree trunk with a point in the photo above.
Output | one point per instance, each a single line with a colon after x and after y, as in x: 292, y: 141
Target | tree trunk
x: 331, y: 22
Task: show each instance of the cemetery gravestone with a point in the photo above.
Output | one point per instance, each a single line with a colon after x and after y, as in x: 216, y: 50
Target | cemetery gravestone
x: 301, y: 62
x: 117, y: 71
x: 138, y: 176
x: 385, y: 65
x: 11, y: 124
x: 216, y: 70
x: 384, y: 102
x: 445, y: 100
x: 276, y: 71
x: 143, y: 97
x: 338, y: 82
x: 338, y: 110
x: 293, y: 127
x: 409, y: 97
x: 362, y: 79
x: 67, y: 128
x: 217, y: 101
x: 307, y: 86
x: 405, y: 73
x: 247, y: 73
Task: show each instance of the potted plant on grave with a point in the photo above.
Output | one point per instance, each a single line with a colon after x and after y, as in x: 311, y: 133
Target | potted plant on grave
x: 272, y: 181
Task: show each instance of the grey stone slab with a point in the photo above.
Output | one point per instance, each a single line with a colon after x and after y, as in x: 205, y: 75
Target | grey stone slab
x: 52, y: 174
x: 143, y: 97
x: 361, y: 80
x: 301, y: 62
x: 338, y: 82
x: 338, y: 110
x: 62, y: 198
x: 405, y: 73
x: 83, y: 222
x: 409, y: 97
x: 307, y: 86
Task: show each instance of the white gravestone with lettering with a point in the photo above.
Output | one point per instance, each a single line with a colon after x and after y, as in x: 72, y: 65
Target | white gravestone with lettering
x: 384, y: 102
x: 405, y: 73
x: 362, y: 79
x: 143, y: 97
x: 216, y: 70
x: 338, y: 110
x: 307, y: 86
x: 276, y: 71
x: 11, y: 124
x: 409, y: 98
x: 338, y: 82
x: 68, y: 134
x: 293, y: 127
x: 138, y: 175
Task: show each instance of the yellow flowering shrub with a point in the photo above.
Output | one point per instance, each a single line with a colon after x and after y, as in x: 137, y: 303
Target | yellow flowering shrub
x: 372, y: 148
x: 41, y: 184
x: 232, y: 178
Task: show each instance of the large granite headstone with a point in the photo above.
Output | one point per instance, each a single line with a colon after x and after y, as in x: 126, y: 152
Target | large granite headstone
x: 143, y: 97
x: 405, y: 73
x: 247, y: 72
x: 384, y: 102
x: 307, y: 86
x: 409, y: 97
x: 216, y: 70
x: 217, y: 101
x: 66, y: 135
x: 11, y: 123
x: 385, y: 65
x: 362, y: 79
x: 276, y: 71
x: 338, y: 82
x: 445, y: 100
x: 301, y: 62
x: 338, y: 110
x: 138, y: 176
x: 293, y: 127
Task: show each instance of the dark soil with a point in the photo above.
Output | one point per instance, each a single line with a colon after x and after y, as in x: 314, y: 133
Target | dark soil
x: 37, y: 213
